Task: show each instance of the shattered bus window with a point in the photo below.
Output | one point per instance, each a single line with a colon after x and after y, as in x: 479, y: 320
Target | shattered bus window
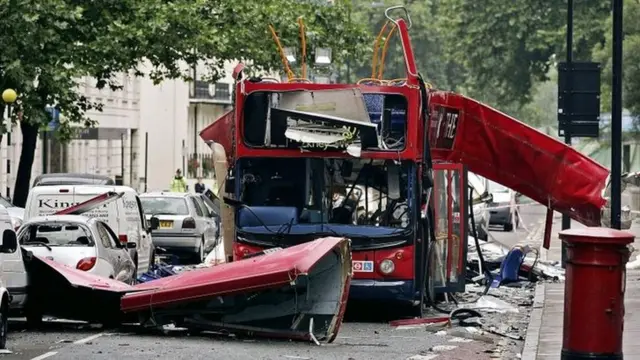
x: 303, y: 197
x: 343, y: 119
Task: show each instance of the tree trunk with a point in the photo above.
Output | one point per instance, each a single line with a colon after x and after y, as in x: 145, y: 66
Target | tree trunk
x: 23, y: 176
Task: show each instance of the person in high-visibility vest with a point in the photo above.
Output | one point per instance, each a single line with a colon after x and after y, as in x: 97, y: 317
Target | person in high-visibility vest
x: 178, y: 183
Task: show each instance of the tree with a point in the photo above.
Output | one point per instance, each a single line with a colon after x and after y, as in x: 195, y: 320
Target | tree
x: 504, y: 47
x: 425, y: 37
x: 49, y: 44
x: 631, y: 58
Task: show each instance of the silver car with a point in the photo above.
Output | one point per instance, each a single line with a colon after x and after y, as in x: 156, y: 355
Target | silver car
x: 186, y: 225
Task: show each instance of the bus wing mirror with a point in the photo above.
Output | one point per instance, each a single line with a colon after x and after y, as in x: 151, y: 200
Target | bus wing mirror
x: 229, y: 186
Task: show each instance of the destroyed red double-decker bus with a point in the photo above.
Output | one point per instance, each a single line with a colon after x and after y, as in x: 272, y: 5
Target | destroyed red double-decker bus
x: 302, y: 160
x: 305, y: 160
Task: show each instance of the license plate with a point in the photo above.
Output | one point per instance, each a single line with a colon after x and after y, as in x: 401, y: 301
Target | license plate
x: 362, y: 266
x: 166, y: 224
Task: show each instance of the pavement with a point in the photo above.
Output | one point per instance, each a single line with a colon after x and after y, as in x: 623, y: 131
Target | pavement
x: 544, y: 334
x: 365, y: 335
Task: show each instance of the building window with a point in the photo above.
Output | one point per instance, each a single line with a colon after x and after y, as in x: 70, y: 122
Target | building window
x: 222, y: 91
x: 204, y: 90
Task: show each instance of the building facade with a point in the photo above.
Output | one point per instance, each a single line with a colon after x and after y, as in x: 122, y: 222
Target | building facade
x: 144, y: 133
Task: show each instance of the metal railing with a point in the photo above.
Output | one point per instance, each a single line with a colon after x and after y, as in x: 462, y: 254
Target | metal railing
x: 195, y: 165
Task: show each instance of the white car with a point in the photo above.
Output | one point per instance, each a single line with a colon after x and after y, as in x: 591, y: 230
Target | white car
x: 80, y: 242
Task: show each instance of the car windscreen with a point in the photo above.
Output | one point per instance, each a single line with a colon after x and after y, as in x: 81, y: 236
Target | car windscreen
x: 56, y: 234
x: 163, y: 205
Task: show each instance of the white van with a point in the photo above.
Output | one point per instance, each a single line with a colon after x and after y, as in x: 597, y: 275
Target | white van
x: 124, y: 215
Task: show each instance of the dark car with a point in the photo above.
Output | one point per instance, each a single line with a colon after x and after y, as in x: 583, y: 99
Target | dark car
x: 54, y: 179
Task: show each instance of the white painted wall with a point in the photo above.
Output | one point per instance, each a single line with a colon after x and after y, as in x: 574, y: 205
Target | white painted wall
x: 163, y: 115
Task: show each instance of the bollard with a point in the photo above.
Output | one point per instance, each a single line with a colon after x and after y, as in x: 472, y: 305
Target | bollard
x: 594, y: 293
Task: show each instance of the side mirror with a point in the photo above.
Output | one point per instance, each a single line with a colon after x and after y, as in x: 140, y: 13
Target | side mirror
x: 154, y: 223
x: 229, y: 186
x: 131, y: 245
x: 9, y: 242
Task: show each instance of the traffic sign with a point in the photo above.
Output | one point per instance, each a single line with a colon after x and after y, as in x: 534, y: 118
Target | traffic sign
x: 579, y: 99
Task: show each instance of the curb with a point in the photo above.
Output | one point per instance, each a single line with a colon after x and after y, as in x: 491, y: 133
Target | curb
x: 530, y: 350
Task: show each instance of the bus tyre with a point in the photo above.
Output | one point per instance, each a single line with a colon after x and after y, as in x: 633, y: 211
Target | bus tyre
x: 428, y: 290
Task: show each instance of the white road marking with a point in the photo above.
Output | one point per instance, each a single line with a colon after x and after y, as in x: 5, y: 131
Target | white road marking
x: 423, y: 357
x: 441, y: 348
x: 460, y: 340
x: 88, y: 338
x: 45, y: 355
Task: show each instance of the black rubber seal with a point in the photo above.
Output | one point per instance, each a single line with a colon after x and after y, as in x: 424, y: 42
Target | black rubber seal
x: 574, y: 355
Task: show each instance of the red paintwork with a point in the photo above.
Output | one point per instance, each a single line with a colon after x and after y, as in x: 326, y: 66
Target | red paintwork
x: 261, y: 272
x: 90, y: 204
x: 596, y: 259
x: 221, y: 132
x: 420, y: 321
x: 504, y: 150
x: 242, y: 250
x: 78, y: 278
x: 243, y: 89
x: 404, y: 267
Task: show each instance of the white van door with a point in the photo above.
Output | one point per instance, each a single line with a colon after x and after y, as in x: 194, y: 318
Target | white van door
x: 130, y: 222
x: 146, y: 241
x: 13, y: 274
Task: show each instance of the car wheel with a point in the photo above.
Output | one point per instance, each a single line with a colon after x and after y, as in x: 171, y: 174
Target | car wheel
x: 508, y: 227
x: 201, y: 252
x: 482, y: 234
x: 135, y: 267
x: 4, y: 324
x: 152, y: 260
x: 34, y: 318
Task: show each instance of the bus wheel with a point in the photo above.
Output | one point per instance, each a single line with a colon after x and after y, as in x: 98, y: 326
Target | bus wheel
x: 427, y: 295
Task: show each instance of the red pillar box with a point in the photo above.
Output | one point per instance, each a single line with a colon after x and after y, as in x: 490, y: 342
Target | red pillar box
x: 594, y: 293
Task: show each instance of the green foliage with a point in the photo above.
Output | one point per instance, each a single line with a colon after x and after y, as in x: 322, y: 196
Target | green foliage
x: 504, y: 47
x: 425, y: 37
x: 59, y: 41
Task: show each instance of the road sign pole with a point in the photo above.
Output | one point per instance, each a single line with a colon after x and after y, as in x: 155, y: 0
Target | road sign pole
x: 566, y: 221
x: 616, y: 116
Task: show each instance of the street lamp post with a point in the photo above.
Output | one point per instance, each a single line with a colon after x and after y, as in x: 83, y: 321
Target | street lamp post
x: 9, y: 96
